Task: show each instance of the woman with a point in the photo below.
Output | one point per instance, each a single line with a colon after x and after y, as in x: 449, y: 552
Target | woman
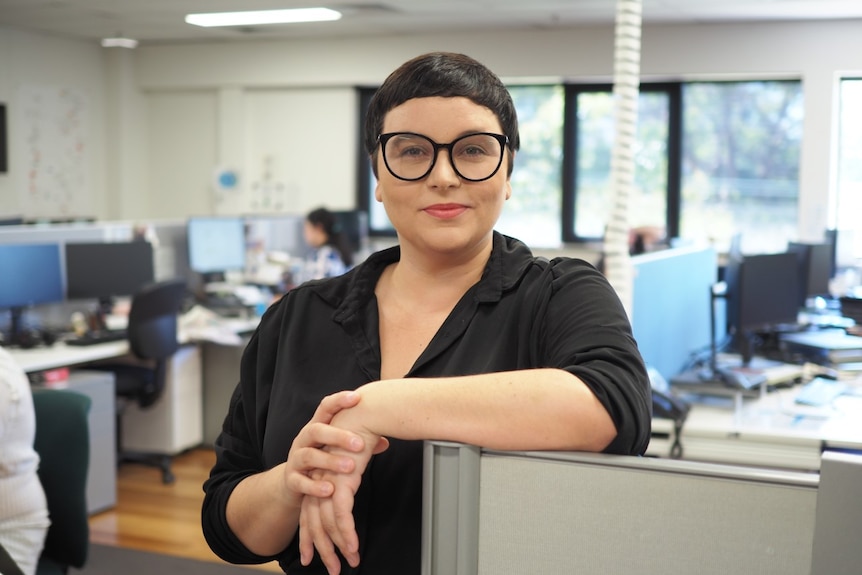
x: 458, y: 333
x: 23, y: 508
x: 330, y: 254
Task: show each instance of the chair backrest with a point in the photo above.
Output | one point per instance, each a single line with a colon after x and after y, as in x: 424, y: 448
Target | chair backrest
x: 153, y: 319
x: 63, y: 444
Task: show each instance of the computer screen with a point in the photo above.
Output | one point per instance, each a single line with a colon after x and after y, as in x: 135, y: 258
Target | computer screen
x: 104, y: 270
x: 216, y: 244
x: 276, y: 233
x: 762, y: 296
x: 815, y: 268
x: 30, y: 274
x: 768, y: 288
x: 354, y: 224
x: 830, y: 237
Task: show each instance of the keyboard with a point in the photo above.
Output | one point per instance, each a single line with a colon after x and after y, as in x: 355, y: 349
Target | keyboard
x: 819, y: 392
x: 96, y: 337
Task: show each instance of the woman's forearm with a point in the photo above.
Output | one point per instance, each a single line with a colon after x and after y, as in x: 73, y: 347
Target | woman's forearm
x: 537, y: 409
x: 263, y: 521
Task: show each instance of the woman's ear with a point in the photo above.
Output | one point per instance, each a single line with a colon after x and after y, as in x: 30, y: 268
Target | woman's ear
x: 378, y: 195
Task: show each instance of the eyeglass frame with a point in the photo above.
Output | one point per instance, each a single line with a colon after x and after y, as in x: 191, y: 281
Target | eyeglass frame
x: 502, y: 139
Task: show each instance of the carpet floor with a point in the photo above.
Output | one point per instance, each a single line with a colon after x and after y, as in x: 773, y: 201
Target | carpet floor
x: 107, y: 560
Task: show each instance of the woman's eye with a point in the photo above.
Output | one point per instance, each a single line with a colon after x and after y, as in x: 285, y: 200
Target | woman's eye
x: 473, y: 150
x: 413, y: 152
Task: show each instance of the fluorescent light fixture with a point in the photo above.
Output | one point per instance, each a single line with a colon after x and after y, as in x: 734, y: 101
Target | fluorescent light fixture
x: 251, y: 18
x: 119, y: 42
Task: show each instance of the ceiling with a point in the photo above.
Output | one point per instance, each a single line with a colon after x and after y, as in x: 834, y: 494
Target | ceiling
x: 161, y: 21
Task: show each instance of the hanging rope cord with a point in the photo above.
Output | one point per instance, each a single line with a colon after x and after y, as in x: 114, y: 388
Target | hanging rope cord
x: 627, y: 45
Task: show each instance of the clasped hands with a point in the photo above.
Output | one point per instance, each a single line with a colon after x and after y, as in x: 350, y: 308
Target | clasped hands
x: 337, y: 451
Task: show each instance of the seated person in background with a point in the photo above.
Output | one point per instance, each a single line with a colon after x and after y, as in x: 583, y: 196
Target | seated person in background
x: 457, y: 333
x: 23, y: 509
x: 642, y: 239
x: 330, y: 253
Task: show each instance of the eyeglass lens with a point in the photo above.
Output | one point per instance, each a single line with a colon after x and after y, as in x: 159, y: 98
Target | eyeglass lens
x: 474, y: 157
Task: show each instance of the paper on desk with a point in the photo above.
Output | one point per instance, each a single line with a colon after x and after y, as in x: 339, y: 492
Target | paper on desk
x: 202, y: 324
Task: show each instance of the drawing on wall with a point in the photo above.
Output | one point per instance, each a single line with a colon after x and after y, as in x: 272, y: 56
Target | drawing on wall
x: 269, y: 194
x: 53, y: 181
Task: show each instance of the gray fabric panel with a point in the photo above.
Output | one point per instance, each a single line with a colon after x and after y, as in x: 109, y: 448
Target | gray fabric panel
x: 540, y: 516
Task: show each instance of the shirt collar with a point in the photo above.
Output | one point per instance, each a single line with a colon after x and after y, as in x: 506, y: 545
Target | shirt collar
x: 509, y: 259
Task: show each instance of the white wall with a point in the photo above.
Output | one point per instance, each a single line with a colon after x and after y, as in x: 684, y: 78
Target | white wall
x: 264, y: 106
x: 33, y: 63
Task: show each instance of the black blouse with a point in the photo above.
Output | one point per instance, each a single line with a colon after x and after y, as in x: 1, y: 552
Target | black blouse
x: 322, y: 337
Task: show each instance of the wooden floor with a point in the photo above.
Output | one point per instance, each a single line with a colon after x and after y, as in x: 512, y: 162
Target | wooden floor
x: 151, y: 516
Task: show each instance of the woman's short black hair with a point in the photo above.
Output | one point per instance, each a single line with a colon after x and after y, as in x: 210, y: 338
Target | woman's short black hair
x: 446, y: 75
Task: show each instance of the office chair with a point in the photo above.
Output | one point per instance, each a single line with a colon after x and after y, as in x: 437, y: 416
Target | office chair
x: 63, y: 444
x: 152, y: 333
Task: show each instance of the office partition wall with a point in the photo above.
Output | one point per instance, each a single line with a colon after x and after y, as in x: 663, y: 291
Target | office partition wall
x: 671, y: 305
x: 490, y: 512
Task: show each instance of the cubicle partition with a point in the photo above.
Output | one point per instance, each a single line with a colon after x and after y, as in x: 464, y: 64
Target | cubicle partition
x: 672, y: 306
x: 490, y: 512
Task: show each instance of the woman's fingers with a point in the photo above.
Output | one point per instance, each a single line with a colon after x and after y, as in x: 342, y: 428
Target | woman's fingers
x: 313, y: 536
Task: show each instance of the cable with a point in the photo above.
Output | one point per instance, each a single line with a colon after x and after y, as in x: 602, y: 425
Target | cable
x: 618, y: 267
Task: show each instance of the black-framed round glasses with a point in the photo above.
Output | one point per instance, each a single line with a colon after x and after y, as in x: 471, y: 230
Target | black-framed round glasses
x: 474, y: 157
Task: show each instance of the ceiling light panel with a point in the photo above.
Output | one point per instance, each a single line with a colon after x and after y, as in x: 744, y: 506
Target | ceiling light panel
x: 257, y: 17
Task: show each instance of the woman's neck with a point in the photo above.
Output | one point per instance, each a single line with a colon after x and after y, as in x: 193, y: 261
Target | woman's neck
x: 421, y: 272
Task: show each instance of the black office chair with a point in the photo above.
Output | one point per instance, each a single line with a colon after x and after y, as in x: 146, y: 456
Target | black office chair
x: 63, y: 444
x: 152, y: 333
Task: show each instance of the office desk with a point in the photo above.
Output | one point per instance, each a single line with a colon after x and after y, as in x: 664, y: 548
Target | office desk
x: 172, y: 425
x: 62, y: 355
x: 769, y: 431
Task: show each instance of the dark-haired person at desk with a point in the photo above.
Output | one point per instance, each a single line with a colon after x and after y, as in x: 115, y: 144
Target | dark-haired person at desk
x: 23, y: 509
x: 330, y: 253
x: 459, y: 333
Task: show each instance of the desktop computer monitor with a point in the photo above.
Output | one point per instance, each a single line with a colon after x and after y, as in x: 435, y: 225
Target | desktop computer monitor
x: 354, y: 224
x: 31, y: 274
x: 276, y: 233
x: 106, y: 270
x: 216, y: 245
x: 815, y: 269
x: 763, y: 292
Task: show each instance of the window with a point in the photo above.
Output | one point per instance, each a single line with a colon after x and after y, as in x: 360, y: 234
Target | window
x: 533, y: 213
x: 378, y: 221
x: 740, y: 163
x: 712, y: 159
x: 849, y: 174
x: 592, y: 125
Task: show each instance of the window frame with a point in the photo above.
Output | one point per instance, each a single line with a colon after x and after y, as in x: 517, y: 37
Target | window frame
x: 570, y: 153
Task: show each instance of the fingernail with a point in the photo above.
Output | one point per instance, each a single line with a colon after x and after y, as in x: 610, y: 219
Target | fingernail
x: 355, y: 443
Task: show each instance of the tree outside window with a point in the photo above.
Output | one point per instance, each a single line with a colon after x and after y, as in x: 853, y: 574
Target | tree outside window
x: 533, y: 213
x: 740, y: 163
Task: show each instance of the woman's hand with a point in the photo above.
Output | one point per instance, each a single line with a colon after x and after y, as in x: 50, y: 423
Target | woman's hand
x: 264, y: 509
x: 327, y: 523
x: 324, y: 447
